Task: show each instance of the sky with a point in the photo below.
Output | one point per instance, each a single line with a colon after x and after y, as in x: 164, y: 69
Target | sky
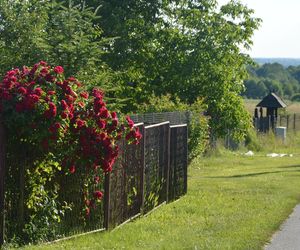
x: 279, y: 33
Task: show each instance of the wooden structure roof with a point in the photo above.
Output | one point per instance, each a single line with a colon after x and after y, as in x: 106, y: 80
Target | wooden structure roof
x: 272, y: 101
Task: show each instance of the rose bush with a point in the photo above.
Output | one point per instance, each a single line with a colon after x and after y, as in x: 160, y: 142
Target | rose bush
x: 51, y: 113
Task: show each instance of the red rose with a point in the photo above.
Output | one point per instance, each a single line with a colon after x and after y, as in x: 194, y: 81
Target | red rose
x: 59, y: 70
x: 72, y: 169
x: 81, y: 104
x: 87, y: 211
x: 98, y: 195
x: 52, y: 106
x: 98, y: 93
x: 104, y: 113
x: 64, y: 104
x: 64, y: 115
x: 101, y: 124
x: 57, y: 125
x: 80, y: 123
x: 42, y: 63
x: 96, y: 179
x: 44, y: 71
x: 22, y: 91
x: 115, y: 122
x: 114, y: 115
x: 130, y: 122
x: 87, y: 202
x: 51, y: 92
x: 38, y: 91
x: 84, y: 95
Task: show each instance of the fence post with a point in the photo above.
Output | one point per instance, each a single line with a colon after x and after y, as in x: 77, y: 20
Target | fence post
x: 143, y: 170
x: 287, y: 121
x: 280, y: 120
x: 2, y: 174
x: 187, y: 160
x: 294, y: 122
x: 168, y: 161
x: 106, y: 201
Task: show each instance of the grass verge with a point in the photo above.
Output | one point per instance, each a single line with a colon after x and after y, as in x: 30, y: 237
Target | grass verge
x: 233, y: 202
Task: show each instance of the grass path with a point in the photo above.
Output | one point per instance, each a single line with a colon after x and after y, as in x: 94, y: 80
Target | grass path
x: 233, y: 202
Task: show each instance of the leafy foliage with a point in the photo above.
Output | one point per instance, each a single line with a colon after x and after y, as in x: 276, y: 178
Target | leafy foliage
x: 272, y: 77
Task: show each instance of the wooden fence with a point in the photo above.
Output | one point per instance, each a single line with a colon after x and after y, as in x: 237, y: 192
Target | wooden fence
x: 144, y: 176
x: 291, y: 122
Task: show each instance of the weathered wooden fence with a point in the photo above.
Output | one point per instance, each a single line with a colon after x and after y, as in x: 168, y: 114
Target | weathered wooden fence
x: 291, y: 122
x: 144, y: 176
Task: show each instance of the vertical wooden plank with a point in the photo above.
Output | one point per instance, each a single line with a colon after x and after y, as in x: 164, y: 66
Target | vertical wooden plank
x: 142, y: 187
x: 294, y: 122
x: 187, y: 162
x: 106, y: 201
x: 168, y: 160
x: 280, y: 120
x: 2, y: 174
x: 287, y: 122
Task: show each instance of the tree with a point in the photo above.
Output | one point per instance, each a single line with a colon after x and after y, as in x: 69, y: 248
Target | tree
x: 185, y: 48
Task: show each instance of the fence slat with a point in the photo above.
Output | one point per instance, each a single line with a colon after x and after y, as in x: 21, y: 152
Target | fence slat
x: 107, y: 201
x: 2, y: 174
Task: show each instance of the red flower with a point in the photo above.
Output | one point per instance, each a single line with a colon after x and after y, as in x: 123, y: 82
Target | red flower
x: 57, y: 125
x: 38, y: 91
x: 51, y: 92
x: 101, y: 124
x: 72, y: 169
x: 42, y: 63
x: 114, y: 115
x: 81, y: 104
x: 59, y: 70
x: 64, y: 115
x: 80, y: 123
x: 104, y: 113
x: 44, y: 71
x: 87, y: 211
x: 98, y: 195
x: 64, y: 104
x: 98, y: 93
x: 115, y: 122
x: 130, y: 122
x: 87, y: 202
x: 84, y: 95
x: 96, y: 179
x: 22, y: 91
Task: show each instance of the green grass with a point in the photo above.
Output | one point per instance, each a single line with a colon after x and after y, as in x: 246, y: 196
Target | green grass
x: 233, y: 202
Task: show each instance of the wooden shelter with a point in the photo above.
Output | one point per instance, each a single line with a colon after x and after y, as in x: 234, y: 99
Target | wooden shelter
x: 271, y: 102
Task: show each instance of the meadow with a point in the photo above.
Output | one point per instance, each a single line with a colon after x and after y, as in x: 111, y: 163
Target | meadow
x: 292, y: 108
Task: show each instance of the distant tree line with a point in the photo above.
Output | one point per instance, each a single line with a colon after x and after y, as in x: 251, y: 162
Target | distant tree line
x: 285, y: 81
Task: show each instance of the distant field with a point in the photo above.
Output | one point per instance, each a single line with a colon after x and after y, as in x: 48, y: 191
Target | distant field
x: 293, y: 107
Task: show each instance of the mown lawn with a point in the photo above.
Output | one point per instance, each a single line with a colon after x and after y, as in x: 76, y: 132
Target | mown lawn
x: 233, y: 202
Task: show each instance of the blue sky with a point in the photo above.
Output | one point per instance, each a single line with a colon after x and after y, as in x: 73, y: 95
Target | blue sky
x: 279, y: 34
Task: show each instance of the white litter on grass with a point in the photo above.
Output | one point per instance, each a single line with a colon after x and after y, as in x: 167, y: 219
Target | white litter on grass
x: 249, y: 153
x: 278, y: 155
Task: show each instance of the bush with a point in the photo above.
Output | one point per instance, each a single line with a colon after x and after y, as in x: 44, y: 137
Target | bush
x: 56, y: 128
x: 198, y: 124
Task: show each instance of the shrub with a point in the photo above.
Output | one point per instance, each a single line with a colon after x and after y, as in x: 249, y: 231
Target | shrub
x: 198, y: 124
x: 58, y: 128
